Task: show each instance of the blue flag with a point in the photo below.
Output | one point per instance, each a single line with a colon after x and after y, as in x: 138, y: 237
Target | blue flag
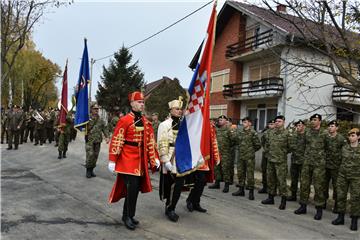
x: 81, y: 94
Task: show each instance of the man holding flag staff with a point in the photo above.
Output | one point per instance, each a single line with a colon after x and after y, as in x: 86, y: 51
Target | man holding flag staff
x: 170, y: 184
x: 132, y: 147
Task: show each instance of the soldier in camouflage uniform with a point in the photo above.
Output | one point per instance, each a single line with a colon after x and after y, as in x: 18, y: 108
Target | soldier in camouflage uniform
x: 313, y: 168
x: 50, y: 125
x: 349, y: 178
x: 40, y: 133
x: 14, y: 121
x: 3, y: 126
x: 248, y: 142
x: 278, y: 147
x: 29, y: 125
x: 64, y: 136
x: 265, y: 153
x: 95, y: 129
x: 23, y: 126
x: 334, y: 143
x: 297, y: 145
x: 225, y: 170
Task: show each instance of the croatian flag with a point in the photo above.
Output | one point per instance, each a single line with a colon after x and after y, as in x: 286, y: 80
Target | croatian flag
x: 193, y: 140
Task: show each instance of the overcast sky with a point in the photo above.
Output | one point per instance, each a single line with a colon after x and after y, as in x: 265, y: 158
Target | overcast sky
x: 108, y: 25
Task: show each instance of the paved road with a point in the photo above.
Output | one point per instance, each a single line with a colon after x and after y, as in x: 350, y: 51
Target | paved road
x: 46, y: 198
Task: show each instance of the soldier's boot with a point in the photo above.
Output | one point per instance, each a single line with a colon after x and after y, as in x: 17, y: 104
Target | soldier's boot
x: 216, y: 185
x: 319, y: 212
x: 301, y: 209
x: 292, y: 198
x: 60, y: 155
x: 283, y: 203
x: 354, y: 223
x: 269, y: 200
x: 9, y: 148
x: 226, y: 187
x: 88, y: 172
x: 64, y: 154
x: 239, y: 192
x: 251, y: 194
x: 263, y: 190
x: 92, y: 172
x: 339, y: 220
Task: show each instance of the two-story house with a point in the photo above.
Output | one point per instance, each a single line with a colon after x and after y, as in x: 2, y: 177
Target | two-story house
x: 250, y: 76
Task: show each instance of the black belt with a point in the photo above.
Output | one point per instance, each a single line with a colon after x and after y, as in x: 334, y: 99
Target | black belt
x: 136, y: 144
x: 172, y: 144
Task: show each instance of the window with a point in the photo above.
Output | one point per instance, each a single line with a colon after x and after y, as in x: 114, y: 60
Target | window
x: 261, y: 116
x: 219, y: 79
x: 217, y: 110
x: 259, y: 71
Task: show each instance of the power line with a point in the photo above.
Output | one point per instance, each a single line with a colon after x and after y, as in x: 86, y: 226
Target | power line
x: 162, y: 30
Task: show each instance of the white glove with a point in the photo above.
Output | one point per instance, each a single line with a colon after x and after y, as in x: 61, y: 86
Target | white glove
x: 111, y: 167
x: 168, y: 166
x: 157, y: 163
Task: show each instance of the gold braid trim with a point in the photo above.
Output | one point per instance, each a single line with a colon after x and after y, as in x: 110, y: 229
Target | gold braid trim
x: 118, y: 142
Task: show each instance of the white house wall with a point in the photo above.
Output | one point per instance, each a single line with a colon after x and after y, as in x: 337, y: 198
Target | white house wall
x: 305, y: 95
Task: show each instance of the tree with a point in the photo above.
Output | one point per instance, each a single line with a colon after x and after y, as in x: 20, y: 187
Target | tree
x: 164, y: 93
x: 33, y: 78
x: 329, y: 29
x: 118, y: 80
x: 18, y: 18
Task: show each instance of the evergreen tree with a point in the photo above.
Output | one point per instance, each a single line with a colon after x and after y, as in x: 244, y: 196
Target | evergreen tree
x: 118, y: 80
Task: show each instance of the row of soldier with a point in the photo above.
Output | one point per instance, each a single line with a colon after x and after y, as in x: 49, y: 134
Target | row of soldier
x: 317, y: 157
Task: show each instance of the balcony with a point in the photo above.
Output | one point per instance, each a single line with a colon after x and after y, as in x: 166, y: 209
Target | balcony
x: 250, y: 44
x: 345, y: 95
x: 267, y: 87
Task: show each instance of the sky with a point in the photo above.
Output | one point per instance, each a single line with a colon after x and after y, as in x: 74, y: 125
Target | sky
x: 109, y: 25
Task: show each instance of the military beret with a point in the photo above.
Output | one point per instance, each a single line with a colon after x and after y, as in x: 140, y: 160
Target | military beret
x: 15, y: 106
x: 271, y: 121
x: 298, y: 122
x: 223, y: 117
x: 280, y: 117
x: 246, y: 119
x: 316, y: 115
x: 354, y: 130
x: 333, y: 122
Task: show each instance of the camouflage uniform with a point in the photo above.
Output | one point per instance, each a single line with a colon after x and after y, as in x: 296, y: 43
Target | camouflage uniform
x: 3, y: 127
x: 64, y: 137
x: 313, y: 167
x: 349, y: 178
x: 14, y: 121
x: 50, y: 126
x: 225, y: 170
x: 29, y: 127
x: 265, y: 156
x: 249, y: 143
x: 333, y: 146
x: 297, y: 146
x: 96, y: 127
x: 278, y: 147
x: 40, y: 134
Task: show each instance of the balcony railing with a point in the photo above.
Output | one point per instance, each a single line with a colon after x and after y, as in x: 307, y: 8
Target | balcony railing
x: 345, y: 95
x: 249, y: 44
x: 267, y: 87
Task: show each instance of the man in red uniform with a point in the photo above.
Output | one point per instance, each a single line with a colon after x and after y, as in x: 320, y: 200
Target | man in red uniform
x: 132, y: 147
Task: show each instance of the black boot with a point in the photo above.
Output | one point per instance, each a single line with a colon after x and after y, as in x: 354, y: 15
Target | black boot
x: 198, y: 208
x: 239, y: 192
x: 269, y: 200
x: 88, y: 172
x: 251, y: 194
x: 354, y: 223
x: 283, y: 203
x: 172, y: 216
x: 339, y: 220
x: 292, y: 198
x: 128, y: 223
x: 64, y: 154
x: 9, y: 148
x: 216, y: 185
x: 92, y: 173
x: 301, y: 209
x: 226, y: 187
x: 189, y: 205
x: 263, y: 190
x: 60, y: 155
x: 319, y: 211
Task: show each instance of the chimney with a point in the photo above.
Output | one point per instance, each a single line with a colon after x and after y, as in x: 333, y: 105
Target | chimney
x: 281, y: 8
